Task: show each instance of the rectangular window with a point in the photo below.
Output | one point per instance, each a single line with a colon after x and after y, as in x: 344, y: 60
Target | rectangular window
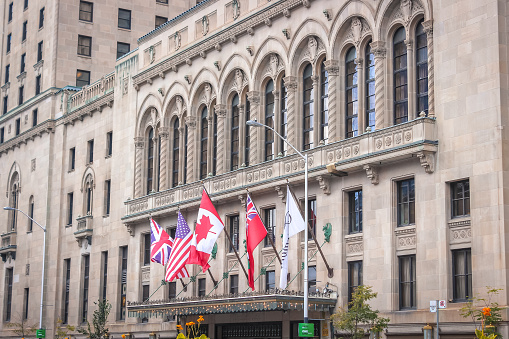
x: 201, y: 287
x: 460, y: 198
x: 84, y: 301
x: 312, y: 279
x: 406, y: 202
x: 109, y: 143
x: 354, y: 277
x: 124, y: 18
x: 162, y: 1
x: 269, y: 215
x: 90, y: 151
x: 18, y: 126
x: 86, y: 11
x: 67, y: 284
x: 25, y: 6
x: 9, y: 18
x: 39, y: 50
x: 172, y: 290
x: 312, y: 216
x: 104, y: 282
x: 160, y: 20
x: 37, y: 84
x: 107, y: 197
x: 82, y: 78
x: 8, y: 293
x: 22, y: 63
x: 72, y: 158
x: 234, y: 284
x: 7, y: 73
x: 84, y: 45
x: 123, y: 282
x: 21, y: 95
x: 41, y: 18
x: 6, y: 100
x: 234, y: 232
x: 462, y: 274
x: 122, y: 48
x: 145, y: 294
x: 146, y: 249
x: 70, y: 203
x: 31, y: 207
x: 24, y: 32
x: 26, y: 294
x: 9, y: 40
x: 2, y: 131
x: 270, y: 280
x: 407, y: 291
x: 355, y: 211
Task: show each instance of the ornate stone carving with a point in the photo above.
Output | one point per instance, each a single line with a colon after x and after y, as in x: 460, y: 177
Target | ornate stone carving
x: 312, y: 48
x: 372, y: 173
x: 286, y: 33
x: 204, y: 25
x: 406, y: 9
x: 139, y: 142
x: 177, y: 39
x: 191, y: 121
x: 152, y: 54
x: 280, y: 192
x: 427, y: 159
x: 324, y: 184
x: 356, y: 27
x: 239, y: 78
x: 242, y: 199
x: 250, y: 50
x: 236, y: 9
x: 32, y: 165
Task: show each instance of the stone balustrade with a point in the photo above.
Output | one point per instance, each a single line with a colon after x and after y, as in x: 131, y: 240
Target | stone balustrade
x: 8, y: 245
x: 92, y: 92
x: 85, y: 230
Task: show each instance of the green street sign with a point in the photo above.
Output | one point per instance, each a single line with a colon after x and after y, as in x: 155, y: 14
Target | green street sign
x: 306, y: 330
x: 40, y: 333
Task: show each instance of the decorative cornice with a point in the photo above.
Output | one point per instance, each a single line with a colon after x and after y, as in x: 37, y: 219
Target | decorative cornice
x: 89, y: 108
x: 46, y: 127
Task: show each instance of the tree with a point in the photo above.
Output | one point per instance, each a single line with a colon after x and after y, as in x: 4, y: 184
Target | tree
x: 21, y: 328
x: 484, y: 312
x: 99, y: 321
x: 61, y: 332
x: 358, y: 315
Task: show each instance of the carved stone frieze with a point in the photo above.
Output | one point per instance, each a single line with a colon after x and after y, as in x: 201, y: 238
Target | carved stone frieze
x: 145, y: 274
x: 354, y: 245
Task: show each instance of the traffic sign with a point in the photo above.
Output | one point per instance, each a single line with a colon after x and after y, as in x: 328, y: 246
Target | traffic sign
x: 306, y: 330
x: 442, y: 304
x: 40, y: 333
x: 433, y: 306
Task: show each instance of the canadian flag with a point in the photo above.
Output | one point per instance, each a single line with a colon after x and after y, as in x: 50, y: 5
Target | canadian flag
x: 208, y: 228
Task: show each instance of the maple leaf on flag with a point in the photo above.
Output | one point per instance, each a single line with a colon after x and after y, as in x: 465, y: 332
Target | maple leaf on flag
x: 203, y: 228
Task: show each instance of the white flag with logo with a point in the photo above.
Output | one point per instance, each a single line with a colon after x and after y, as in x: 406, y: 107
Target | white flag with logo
x: 294, y: 223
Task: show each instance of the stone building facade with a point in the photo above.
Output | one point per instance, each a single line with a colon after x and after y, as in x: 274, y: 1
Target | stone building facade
x: 400, y: 106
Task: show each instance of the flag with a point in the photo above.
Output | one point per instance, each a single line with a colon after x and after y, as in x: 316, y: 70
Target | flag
x: 180, y: 251
x: 255, y: 232
x: 208, y: 228
x: 294, y: 223
x: 161, y: 243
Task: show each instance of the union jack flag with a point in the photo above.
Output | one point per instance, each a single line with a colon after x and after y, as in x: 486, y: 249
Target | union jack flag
x: 161, y: 244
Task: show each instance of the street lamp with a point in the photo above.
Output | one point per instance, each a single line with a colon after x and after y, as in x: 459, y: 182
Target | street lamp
x: 255, y: 123
x: 43, y: 256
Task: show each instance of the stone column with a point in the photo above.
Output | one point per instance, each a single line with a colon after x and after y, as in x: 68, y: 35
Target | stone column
x: 316, y: 110
x: 428, y: 29
x: 379, y: 52
x: 221, y: 149
x: 191, y: 128
x: 291, y: 89
x: 277, y: 121
x: 139, y: 144
x: 254, y: 132
x: 163, y: 159
x: 210, y: 142
x: 411, y: 90
x: 242, y: 136
x: 332, y: 68
x: 182, y: 130
x: 360, y: 95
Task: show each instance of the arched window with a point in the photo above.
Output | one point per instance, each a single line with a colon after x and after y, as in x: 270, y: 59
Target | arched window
x: 400, y: 77
x: 204, y: 138
x: 31, y: 207
x: 89, y: 194
x: 269, y: 120
x: 214, y: 151
x: 234, y: 152
x: 13, y: 201
x: 283, y: 128
x: 307, y: 104
x: 324, y: 103
x: 248, y: 139
x: 352, y: 105
x: 185, y: 155
x: 422, y: 69
x: 370, y: 88
x: 150, y: 161
x: 176, y: 149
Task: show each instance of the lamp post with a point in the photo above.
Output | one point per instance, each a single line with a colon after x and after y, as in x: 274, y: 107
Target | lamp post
x: 43, y: 256
x: 255, y: 123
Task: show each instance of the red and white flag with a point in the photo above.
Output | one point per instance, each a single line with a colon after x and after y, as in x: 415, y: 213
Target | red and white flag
x: 180, y: 251
x: 255, y: 233
x: 208, y: 228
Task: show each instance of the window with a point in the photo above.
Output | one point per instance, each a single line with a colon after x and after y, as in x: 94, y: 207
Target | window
x: 269, y: 120
x: 283, y: 128
x: 122, y: 49
x: 324, y: 103
x: 150, y: 160
x: 185, y: 155
x: 355, y: 211
x: 84, y: 301
x: 204, y: 139
x: 90, y: 151
x: 269, y: 216
x: 37, y: 84
x: 39, y: 50
x: 400, y: 77
x: 41, y: 18
x: 34, y: 117
x: 308, y: 103
x: 312, y: 216
x: 352, y: 126
x: 406, y: 202
x: 22, y: 63
x: 162, y: 1
x: 2, y: 132
x: 104, y: 274
x: 270, y: 280
x: 6, y: 99
x: 25, y: 5
x: 201, y: 287
x: 160, y: 20
x: 145, y: 294
x: 24, y: 32
x: 67, y: 288
x: 14, y: 196
x: 70, y: 203
x: 123, y: 282
x: 107, y: 197
x: 109, y: 144
x: 7, y: 73
x: 176, y: 151
x: 172, y: 290
x: 247, y: 116
x: 407, y: 291
x: 30, y: 213
x: 234, y: 152
x: 82, y: 78
x: 21, y: 95
x: 422, y: 69
x: 462, y: 274
x: 9, y: 19
x: 72, y: 158
x: 26, y: 294
x: 9, y: 40
x: 234, y: 284
x: 86, y: 11
x: 8, y: 293
x: 354, y: 277
x: 18, y: 126
x: 124, y: 18
x: 146, y: 249
x: 88, y: 197
x: 84, y: 45
x: 214, y: 149
x: 460, y: 198
x: 312, y: 279
x: 234, y: 232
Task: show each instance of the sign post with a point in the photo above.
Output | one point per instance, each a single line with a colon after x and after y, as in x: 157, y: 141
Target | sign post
x: 435, y: 306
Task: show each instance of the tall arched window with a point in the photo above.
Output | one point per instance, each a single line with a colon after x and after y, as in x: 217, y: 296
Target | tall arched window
x: 269, y: 120
x: 422, y: 69
x: 248, y: 139
x: 324, y: 103
x: 204, y: 139
x: 31, y: 207
x: 13, y: 201
x: 283, y: 128
x: 89, y: 194
x: 234, y: 152
x: 307, y: 104
x: 176, y: 149
x: 214, y: 151
x: 370, y: 88
x: 185, y: 155
x: 150, y: 161
x: 400, y: 77
x: 352, y: 105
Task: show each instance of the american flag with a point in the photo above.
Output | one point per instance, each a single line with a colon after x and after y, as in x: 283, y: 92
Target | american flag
x: 161, y: 243
x: 181, y: 249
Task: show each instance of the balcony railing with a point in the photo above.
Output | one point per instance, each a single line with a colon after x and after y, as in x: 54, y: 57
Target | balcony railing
x: 8, y: 247
x: 92, y: 92
x: 84, y: 230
